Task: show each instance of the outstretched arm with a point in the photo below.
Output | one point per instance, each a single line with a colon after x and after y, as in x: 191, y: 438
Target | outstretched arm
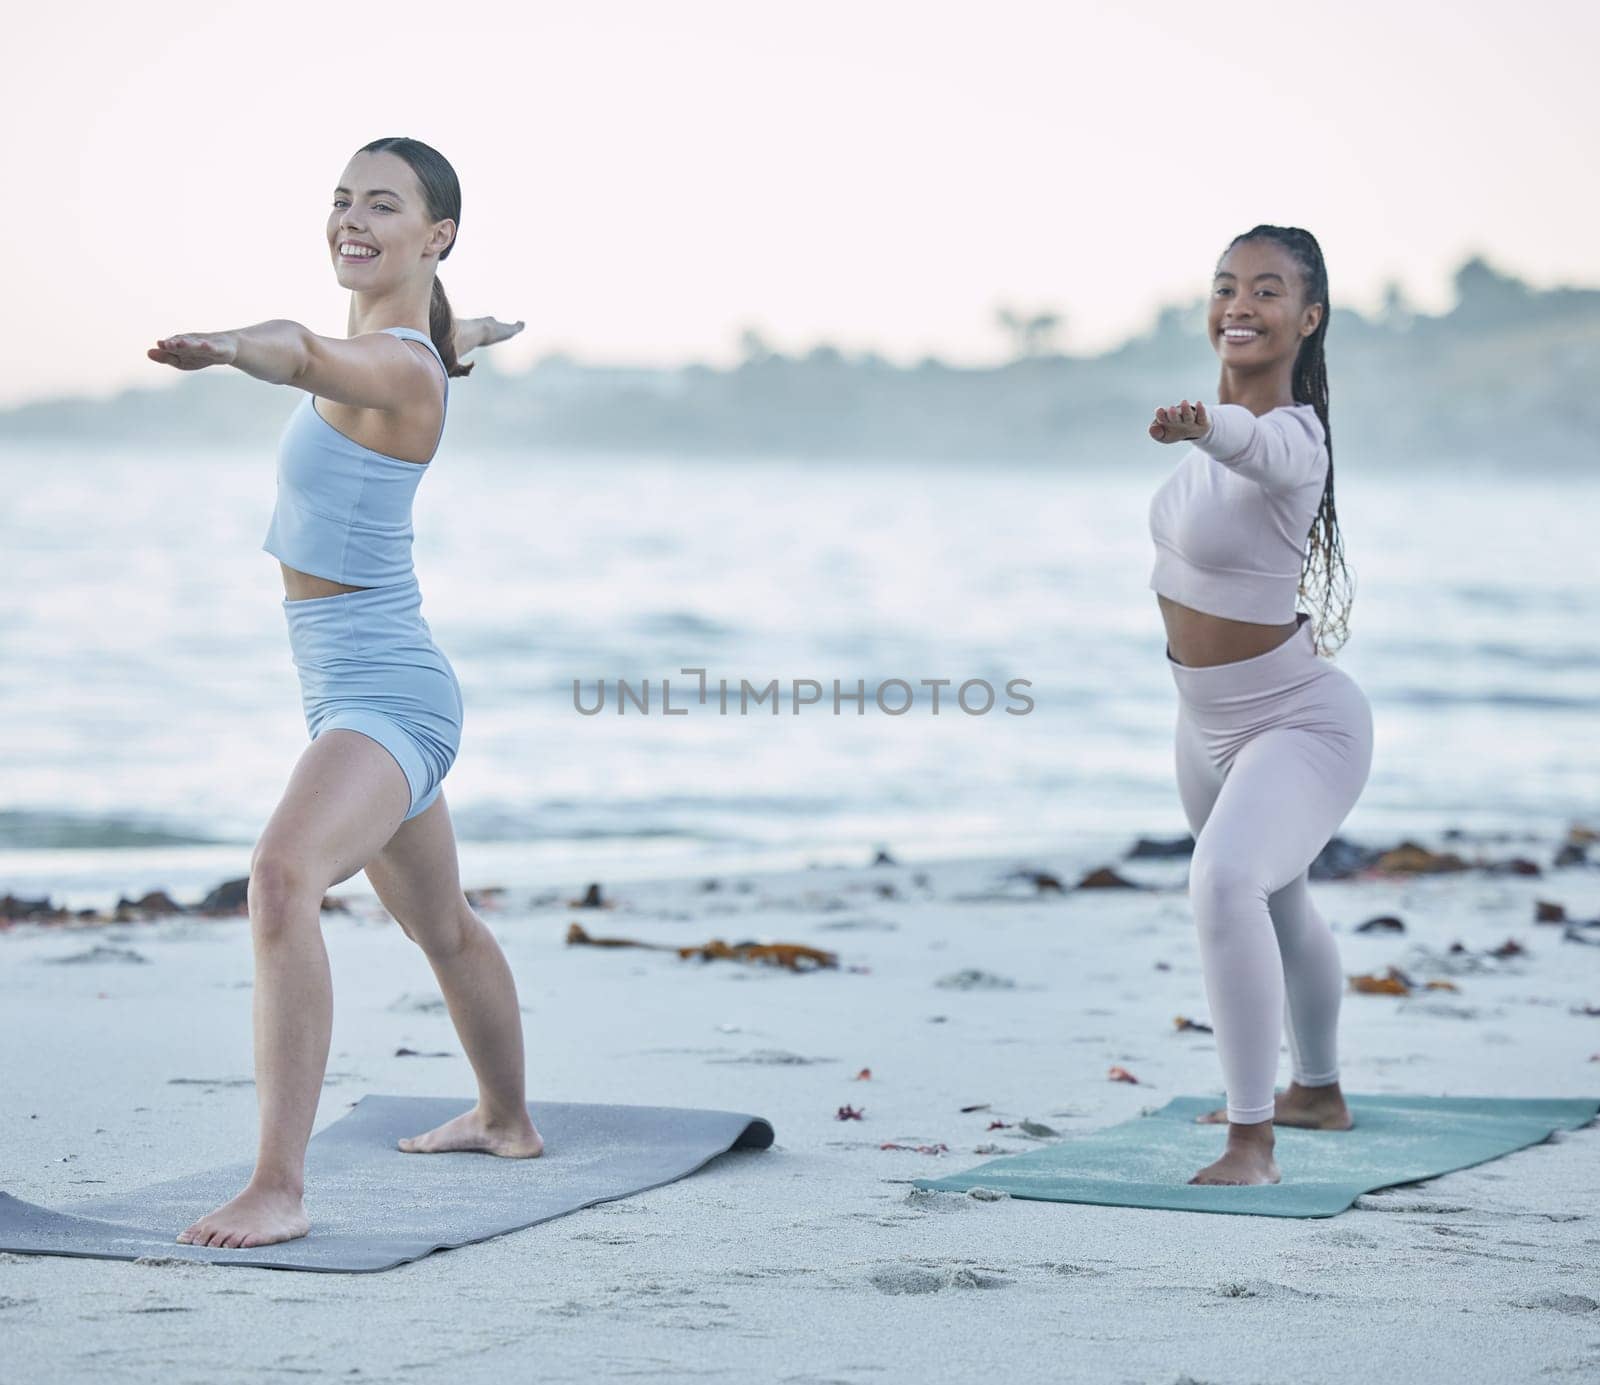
x: 473, y: 332
x: 373, y: 371
x: 1278, y: 450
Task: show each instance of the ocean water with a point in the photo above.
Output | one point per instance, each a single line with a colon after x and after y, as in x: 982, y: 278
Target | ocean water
x: 150, y: 715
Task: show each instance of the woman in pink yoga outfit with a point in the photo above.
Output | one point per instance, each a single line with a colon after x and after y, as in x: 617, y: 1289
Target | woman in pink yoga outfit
x: 1273, y: 742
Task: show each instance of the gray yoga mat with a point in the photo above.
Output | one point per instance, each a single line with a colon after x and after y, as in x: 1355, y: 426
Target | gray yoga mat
x: 1148, y: 1161
x: 373, y: 1207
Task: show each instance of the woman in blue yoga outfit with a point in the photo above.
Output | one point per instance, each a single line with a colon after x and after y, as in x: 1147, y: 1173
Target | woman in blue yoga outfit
x: 381, y: 701
x: 1273, y: 743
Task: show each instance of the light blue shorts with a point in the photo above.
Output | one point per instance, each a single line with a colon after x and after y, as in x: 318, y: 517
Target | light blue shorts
x: 368, y: 663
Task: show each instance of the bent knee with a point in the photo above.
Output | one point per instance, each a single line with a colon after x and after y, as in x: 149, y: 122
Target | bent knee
x: 1224, y: 889
x: 445, y: 936
x: 280, y: 886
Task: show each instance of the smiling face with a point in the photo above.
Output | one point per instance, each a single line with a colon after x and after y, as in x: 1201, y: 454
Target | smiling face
x: 379, y: 230
x: 1257, y: 316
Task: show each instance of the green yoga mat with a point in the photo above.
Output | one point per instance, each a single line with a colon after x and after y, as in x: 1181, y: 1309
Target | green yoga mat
x: 1148, y: 1161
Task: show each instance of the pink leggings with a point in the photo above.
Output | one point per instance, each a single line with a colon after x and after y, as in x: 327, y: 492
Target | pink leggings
x: 1272, y: 754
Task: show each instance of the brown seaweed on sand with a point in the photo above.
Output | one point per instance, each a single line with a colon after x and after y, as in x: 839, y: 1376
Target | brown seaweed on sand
x: 1395, y: 982
x: 793, y: 956
x: 1411, y: 859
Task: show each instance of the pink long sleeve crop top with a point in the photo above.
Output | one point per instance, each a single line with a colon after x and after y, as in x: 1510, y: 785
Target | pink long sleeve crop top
x: 1230, y: 524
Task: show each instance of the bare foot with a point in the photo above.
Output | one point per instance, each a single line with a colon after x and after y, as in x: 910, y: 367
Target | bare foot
x: 1310, y: 1108
x: 471, y: 1131
x: 1247, y: 1159
x: 257, y: 1217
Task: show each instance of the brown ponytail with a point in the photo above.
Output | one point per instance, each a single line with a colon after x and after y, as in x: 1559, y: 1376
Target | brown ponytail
x: 442, y: 328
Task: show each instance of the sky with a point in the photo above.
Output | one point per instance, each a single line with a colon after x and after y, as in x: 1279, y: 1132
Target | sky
x: 643, y: 181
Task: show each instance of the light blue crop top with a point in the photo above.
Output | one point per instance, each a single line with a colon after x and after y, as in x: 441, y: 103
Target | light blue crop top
x: 344, y: 511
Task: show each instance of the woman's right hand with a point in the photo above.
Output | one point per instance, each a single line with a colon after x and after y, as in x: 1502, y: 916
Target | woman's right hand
x: 1180, y: 422
x: 195, y: 350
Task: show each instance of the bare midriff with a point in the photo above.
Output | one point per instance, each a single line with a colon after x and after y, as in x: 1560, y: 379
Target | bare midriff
x: 303, y: 586
x: 1200, y: 640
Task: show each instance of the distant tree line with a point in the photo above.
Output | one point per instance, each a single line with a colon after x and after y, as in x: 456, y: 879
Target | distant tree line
x: 1503, y: 380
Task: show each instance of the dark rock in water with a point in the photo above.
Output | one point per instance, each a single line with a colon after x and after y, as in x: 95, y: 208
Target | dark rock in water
x: 883, y: 858
x: 16, y: 910
x: 1515, y: 865
x: 1384, y: 923
x: 1341, y: 858
x: 155, y: 904
x: 591, y: 899
x: 1149, y: 848
x: 1106, y: 879
x: 230, y: 897
x: 1572, y: 933
x: 1547, y: 911
x: 1041, y: 880
x: 1572, y: 854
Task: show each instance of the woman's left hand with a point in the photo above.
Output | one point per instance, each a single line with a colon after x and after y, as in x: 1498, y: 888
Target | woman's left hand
x: 195, y: 350
x: 1180, y: 422
x: 494, y: 330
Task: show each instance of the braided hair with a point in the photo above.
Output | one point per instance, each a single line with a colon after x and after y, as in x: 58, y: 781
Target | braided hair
x: 1325, y: 553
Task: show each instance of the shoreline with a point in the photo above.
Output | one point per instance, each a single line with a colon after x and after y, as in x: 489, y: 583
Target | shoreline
x: 79, y: 879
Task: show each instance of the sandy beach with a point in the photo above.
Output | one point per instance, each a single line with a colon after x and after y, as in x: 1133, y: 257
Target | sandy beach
x: 959, y: 983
